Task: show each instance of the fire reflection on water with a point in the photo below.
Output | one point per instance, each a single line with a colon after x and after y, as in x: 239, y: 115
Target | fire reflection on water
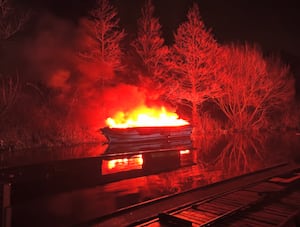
x: 136, y: 162
x: 141, y: 177
x: 122, y: 164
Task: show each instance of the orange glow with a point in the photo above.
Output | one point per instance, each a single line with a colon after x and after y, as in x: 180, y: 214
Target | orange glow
x: 182, y: 152
x: 122, y: 164
x: 144, y: 116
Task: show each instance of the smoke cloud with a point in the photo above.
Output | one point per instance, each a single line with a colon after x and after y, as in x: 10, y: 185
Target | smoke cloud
x: 63, y: 89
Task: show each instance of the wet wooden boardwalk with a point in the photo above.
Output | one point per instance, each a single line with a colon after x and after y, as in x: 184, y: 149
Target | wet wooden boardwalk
x: 270, y: 197
x: 267, y: 203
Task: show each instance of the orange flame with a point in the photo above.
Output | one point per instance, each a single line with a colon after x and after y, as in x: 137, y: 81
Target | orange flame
x: 145, y: 116
x: 182, y: 152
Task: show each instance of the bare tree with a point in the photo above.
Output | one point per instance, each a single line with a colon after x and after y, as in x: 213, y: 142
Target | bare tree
x: 11, y: 20
x: 8, y: 93
x: 194, y: 63
x: 107, y: 35
x: 149, y: 44
x: 253, y: 88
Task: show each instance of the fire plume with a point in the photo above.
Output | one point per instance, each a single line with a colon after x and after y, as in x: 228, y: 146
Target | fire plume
x: 144, y: 116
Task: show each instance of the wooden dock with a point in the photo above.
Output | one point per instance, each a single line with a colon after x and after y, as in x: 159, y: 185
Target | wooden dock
x: 270, y: 197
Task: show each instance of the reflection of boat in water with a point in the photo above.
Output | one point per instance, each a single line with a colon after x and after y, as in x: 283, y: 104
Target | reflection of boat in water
x: 155, y: 156
x: 58, y: 176
x: 141, y: 134
x: 61, y: 180
x: 149, y: 146
x: 146, y: 163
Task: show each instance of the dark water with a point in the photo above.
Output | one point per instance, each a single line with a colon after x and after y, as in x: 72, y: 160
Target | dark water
x: 62, y: 187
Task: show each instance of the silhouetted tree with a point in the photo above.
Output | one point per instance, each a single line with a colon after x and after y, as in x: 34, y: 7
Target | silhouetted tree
x: 8, y: 93
x: 11, y: 20
x: 149, y: 44
x: 253, y: 88
x: 106, y: 36
x: 194, y: 63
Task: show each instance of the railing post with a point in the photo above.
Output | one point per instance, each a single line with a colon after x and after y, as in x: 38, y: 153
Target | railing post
x: 5, y: 205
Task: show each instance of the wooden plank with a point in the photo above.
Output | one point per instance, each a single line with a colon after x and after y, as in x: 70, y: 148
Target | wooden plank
x: 193, y: 212
x: 243, y: 221
x: 168, y: 219
x: 243, y: 196
x: 286, y: 180
x: 292, y: 199
x: 279, y: 209
x: 206, y: 207
x: 223, y: 205
x: 183, y: 217
x: 219, y: 207
x: 267, y: 187
x: 265, y: 217
x: 195, y: 217
x: 229, y: 202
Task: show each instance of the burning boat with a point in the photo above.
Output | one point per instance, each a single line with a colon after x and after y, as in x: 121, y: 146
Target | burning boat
x: 146, y: 124
x: 142, y: 134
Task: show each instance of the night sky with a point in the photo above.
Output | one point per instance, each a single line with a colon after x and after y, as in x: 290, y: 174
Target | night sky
x: 272, y: 24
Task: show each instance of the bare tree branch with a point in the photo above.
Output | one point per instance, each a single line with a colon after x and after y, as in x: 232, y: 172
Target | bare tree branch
x: 253, y: 88
x: 149, y: 45
x: 11, y: 20
x: 9, y: 90
x: 194, y: 63
x: 106, y: 34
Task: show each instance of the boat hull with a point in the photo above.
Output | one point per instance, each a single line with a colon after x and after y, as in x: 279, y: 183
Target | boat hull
x: 142, y: 134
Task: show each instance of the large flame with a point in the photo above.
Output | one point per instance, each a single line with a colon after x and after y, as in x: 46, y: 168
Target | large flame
x: 145, y: 116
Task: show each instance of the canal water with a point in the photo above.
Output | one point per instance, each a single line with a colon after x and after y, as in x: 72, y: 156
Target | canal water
x: 64, y: 187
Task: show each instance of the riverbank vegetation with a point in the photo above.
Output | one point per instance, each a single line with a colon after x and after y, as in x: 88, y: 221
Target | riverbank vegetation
x: 60, y: 80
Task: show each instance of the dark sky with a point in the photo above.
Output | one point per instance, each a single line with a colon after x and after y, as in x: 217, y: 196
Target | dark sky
x: 272, y: 24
